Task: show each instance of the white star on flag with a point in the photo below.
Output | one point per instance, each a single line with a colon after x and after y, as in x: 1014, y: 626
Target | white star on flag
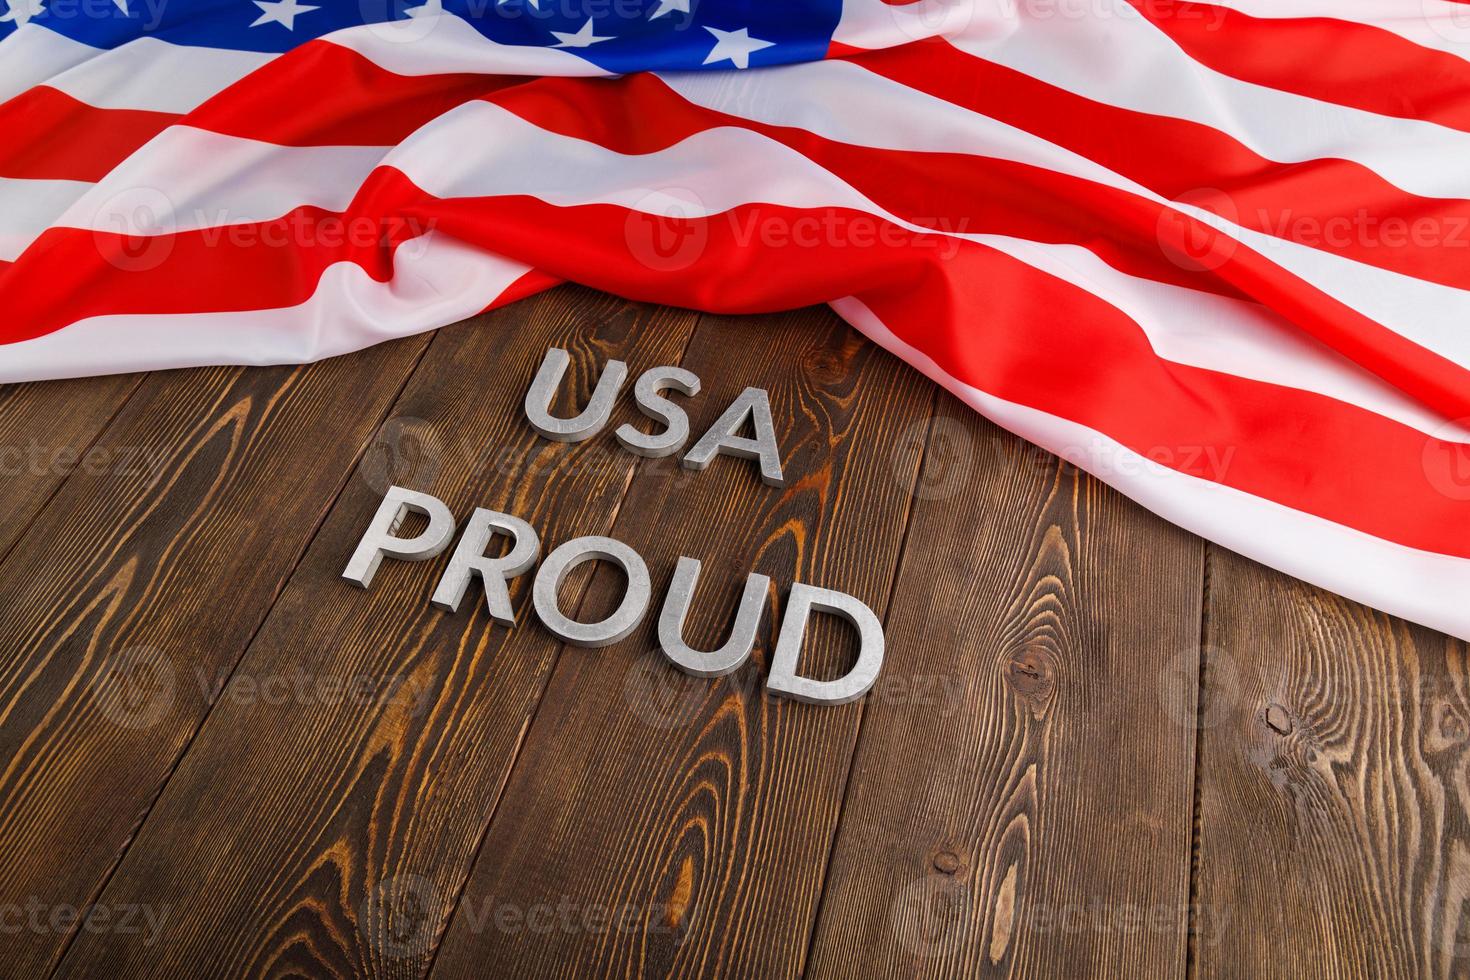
x: 735, y: 46
x: 664, y: 6
x: 281, y: 12
x: 584, y: 38
x: 21, y: 11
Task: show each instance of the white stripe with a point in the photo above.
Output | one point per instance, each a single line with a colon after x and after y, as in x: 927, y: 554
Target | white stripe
x: 1118, y: 57
x: 33, y: 54
x: 151, y: 74
x: 143, y: 74
x: 1438, y: 24
x: 843, y: 102
x: 875, y: 24
x: 446, y: 44
x: 1219, y: 333
x: 1418, y: 585
x: 187, y: 178
x: 710, y: 173
x: 717, y: 170
x: 436, y: 281
x: 27, y: 207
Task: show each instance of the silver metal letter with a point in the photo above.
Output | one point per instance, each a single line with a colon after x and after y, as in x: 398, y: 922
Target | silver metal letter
x: 469, y: 559
x: 380, y: 539
x: 554, y: 571
x: 655, y: 406
x: 593, y: 417
x: 721, y: 437
x: 805, y: 599
x: 727, y: 658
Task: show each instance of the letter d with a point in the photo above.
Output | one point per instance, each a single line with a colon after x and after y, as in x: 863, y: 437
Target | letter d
x: 805, y: 599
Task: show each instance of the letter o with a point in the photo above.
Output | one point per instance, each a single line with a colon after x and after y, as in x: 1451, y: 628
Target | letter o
x: 554, y: 571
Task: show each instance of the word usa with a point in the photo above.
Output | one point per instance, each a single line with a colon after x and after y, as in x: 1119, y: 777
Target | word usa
x: 752, y: 405
x: 469, y: 560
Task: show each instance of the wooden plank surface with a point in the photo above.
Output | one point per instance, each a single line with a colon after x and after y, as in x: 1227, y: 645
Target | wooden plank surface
x: 657, y: 816
x: 1035, y: 821
x: 333, y: 832
x: 1335, y: 803
x: 1051, y: 778
x: 137, y: 581
x: 47, y: 432
x: 129, y: 586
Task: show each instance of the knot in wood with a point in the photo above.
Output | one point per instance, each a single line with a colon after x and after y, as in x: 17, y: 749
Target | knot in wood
x: 1031, y: 673
x: 1278, y: 719
x: 824, y: 366
x: 946, y: 862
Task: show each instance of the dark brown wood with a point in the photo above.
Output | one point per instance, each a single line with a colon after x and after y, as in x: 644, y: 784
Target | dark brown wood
x: 319, y: 835
x: 1034, y: 819
x: 659, y: 824
x: 46, y: 432
x: 1334, y: 801
x: 138, y: 579
x: 265, y: 772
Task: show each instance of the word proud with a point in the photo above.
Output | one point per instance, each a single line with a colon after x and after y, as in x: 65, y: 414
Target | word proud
x: 468, y: 561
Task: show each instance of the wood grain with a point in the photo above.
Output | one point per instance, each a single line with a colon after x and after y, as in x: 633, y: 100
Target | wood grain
x: 1335, y: 804
x: 46, y: 433
x: 314, y: 835
x: 130, y: 585
x: 1033, y: 819
x: 659, y: 824
x: 1097, y: 747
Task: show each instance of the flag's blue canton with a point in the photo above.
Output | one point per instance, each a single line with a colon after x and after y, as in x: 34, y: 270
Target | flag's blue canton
x: 619, y: 35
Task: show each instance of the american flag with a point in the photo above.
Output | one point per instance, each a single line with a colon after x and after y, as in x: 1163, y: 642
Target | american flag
x: 1216, y: 253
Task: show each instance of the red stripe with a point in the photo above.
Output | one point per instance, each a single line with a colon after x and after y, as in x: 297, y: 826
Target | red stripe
x: 48, y: 135
x: 970, y: 194
x: 528, y: 284
x: 1055, y: 347
x: 337, y: 97
x: 990, y: 320
x: 69, y: 274
x: 1303, y: 202
x: 1331, y: 60
x: 977, y: 194
x: 839, y: 50
x: 947, y: 192
x: 1332, y: 205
